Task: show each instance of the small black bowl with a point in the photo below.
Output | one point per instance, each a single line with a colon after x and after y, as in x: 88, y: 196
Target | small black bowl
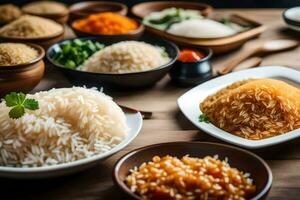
x: 192, y: 73
x: 132, y: 80
x: 290, y: 20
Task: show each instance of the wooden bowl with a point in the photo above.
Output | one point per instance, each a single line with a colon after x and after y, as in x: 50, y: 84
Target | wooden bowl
x: 135, y: 34
x: 86, y: 8
x: 238, y: 158
x: 218, y: 45
x: 45, y: 42
x: 22, y: 77
x: 143, y: 9
x: 61, y: 18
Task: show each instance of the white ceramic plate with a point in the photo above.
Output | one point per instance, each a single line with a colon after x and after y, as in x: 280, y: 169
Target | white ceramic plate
x: 189, y: 103
x: 291, y: 18
x: 134, y: 121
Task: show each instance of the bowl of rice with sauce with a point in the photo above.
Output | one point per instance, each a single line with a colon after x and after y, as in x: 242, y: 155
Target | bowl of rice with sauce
x: 70, y: 130
x: 130, y: 63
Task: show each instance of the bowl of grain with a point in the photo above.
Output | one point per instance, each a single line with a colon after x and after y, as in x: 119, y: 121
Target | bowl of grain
x: 113, y: 63
x: 32, y: 29
x: 107, y: 25
x: 21, y: 67
x: 61, y: 131
x: 9, y: 13
x: 84, y: 9
x: 49, y: 9
x: 192, y: 170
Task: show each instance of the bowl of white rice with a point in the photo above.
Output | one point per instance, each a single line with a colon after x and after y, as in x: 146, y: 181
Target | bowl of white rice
x: 129, y: 63
x: 73, y: 129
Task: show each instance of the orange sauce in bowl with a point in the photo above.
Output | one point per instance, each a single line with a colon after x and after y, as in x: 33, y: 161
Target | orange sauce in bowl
x: 191, y: 55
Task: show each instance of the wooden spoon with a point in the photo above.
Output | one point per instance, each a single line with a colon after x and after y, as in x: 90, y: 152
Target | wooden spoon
x: 267, y: 47
x: 249, y: 63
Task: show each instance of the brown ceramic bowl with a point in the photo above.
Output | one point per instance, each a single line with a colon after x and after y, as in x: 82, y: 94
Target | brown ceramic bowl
x: 45, y: 42
x: 237, y: 158
x: 143, y: 9
x: 83, y: 9
x: 135, y: 34
x: 61, y: 18
x: 22, y: 77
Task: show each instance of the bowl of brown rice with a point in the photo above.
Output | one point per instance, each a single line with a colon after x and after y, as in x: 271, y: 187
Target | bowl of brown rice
x: 21, y: 66
x: 56, y: 11
x: 192, y: 170
x: 33, y: 29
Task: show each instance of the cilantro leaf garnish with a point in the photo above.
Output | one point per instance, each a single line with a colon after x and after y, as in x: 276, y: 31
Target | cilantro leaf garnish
x: 18, y: 104
x: 31, y: 104
x: 204, y: 118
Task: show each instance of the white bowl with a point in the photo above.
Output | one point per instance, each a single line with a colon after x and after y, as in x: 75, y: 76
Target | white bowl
x: 134, y: 122
x: 189, y: 103
x: 291, y: 16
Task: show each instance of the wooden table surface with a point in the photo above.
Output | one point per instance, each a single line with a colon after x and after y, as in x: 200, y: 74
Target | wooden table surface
x: 168, y: 125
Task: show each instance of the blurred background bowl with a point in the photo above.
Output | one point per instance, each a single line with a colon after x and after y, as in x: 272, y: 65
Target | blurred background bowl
x: 132, y: 80
x: 22, y: 77
x: 45, y: 42
x: 61, y: 17
x: 238, y: 158
x: 135, y: 34
x: 84, y: 9
x: 291, y: 16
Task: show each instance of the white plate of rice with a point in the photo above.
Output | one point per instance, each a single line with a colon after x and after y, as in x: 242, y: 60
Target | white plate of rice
x: 189, y: 104
x: 73, y: 129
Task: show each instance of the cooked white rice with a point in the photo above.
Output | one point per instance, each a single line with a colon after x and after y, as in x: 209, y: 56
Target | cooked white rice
x: 70, y: 124
x: 201, y: 28
x: 125, y: 57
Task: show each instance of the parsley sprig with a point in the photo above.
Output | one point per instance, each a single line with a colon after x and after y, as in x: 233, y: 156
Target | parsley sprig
x: 204, y: 118
x: 18, y: 104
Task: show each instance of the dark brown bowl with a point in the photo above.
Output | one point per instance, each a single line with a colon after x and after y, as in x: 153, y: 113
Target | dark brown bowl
x: 143, y: 9
x: 135, y: 34
x: 61, y: 18
x: 238, y: 158
x: 45, y: 42
x: 83, y: 9
x: 22, y: 77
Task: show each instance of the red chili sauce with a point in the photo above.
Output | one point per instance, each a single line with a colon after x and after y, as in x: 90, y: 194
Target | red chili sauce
x: 191, y: 55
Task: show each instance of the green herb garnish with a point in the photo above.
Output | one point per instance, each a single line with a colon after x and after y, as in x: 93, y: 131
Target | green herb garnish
x: 18, y: 104
x: 204, y: 118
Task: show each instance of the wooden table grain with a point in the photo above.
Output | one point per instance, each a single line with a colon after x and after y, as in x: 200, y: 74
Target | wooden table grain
x: 168, y: 125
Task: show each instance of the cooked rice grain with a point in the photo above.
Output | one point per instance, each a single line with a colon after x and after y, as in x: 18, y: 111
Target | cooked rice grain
x: 29, y: 26
x: 70, y: 124
x: 45, y: 7
x: 16, y: 53
x: 124, y: 57
x: 189, y: 178
x: 255, y: 109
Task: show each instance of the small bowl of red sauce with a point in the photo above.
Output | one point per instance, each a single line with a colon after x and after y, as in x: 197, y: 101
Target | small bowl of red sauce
x: 192, y: 67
